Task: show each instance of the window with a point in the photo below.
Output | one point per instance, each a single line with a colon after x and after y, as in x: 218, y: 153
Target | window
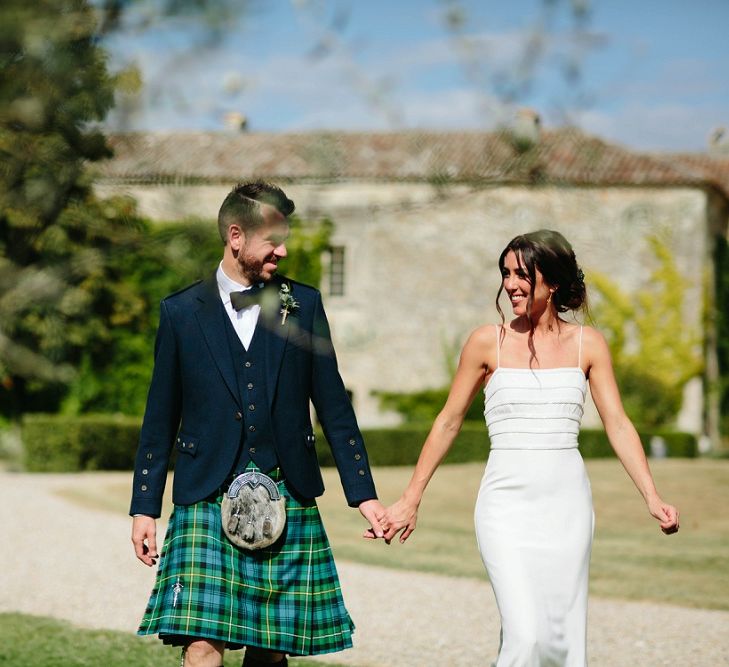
x: 336, y: 271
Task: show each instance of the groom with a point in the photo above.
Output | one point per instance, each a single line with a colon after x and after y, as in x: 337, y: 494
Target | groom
x: 238, y: 358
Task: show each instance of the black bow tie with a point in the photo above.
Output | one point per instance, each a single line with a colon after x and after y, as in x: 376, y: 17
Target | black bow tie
x: 246, y: 298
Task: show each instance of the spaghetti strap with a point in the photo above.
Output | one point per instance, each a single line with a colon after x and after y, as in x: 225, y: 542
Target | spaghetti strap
x: 579, y: 350
x: 497, y: 328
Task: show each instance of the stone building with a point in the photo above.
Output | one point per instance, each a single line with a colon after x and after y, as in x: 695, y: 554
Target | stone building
x: 421, y: 218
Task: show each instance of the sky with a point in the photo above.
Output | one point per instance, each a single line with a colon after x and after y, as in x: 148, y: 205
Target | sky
x: 647, y: 74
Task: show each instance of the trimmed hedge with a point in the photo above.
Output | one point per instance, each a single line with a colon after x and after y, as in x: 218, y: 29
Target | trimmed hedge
x: 401, y: 446
x: 108, y: 442
x: 54, y: 443
x: 594, y: 443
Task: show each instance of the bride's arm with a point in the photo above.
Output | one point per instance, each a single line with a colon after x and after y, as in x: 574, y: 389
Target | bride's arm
x: 620, y: 431
x: 469, y: 378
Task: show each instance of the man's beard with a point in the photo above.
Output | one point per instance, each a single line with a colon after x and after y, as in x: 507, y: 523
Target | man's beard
x: 252, y: 268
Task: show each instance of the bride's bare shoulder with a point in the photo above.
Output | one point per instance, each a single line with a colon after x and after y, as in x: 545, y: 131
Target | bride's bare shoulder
x: 486, y: 334
x: 592, y: 336
x: 482, y: 342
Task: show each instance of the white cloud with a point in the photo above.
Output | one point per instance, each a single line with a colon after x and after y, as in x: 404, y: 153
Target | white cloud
x: 654, y: 127
x: 676, y: 78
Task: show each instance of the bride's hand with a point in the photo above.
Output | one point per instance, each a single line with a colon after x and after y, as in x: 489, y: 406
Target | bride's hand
x: 666, y: 514
x: 400, y: 516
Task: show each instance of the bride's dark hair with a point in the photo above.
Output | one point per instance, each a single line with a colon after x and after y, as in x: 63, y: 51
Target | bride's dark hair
x: 550, y: 253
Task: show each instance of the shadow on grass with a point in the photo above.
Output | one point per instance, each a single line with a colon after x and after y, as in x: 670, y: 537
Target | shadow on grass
x: 34, y: 641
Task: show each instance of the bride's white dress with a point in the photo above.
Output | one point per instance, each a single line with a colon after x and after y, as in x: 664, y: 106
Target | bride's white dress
x: 534, y: 517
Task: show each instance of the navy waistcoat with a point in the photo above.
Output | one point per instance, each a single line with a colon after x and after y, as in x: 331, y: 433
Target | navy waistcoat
x: 257, y: 435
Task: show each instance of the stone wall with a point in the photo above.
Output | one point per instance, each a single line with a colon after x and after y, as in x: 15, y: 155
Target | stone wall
x: 421, y: 268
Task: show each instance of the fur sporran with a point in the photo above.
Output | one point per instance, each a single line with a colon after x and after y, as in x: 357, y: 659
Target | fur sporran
x: 253, y: 511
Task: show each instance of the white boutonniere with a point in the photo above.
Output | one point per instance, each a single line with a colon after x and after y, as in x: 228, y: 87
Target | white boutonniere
x: 288, y: 303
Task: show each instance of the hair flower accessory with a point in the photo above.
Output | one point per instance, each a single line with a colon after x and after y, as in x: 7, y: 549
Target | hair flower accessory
x: 288, y: 303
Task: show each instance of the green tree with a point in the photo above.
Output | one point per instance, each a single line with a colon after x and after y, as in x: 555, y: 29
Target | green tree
x: 113, y: 369
x: 54, y: 236
x: 722, y: 328
x: 309, y: 240
x: 654, y: 351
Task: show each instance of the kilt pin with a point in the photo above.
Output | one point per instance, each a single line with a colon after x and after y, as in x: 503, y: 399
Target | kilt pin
x: 285, y: 597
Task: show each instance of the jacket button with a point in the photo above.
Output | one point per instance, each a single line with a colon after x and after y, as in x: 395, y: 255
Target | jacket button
x: 149, y: 456
x: 145, y: 472
x: 248, y: 364
x: 352, y: 441
x: 251, y: 407
x: 143, y: 487
x: 361, y: 473
x: 251, y: 428
x: 252, y: 450
x: 238, y: 416
x: 357, y: 457
x: 250, y: 385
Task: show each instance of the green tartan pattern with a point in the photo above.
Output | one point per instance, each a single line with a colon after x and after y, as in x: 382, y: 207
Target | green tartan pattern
x: 285, y: 597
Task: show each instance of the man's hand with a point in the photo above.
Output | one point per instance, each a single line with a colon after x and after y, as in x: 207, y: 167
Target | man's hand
x: 374, y: 512
x: 144, y: 528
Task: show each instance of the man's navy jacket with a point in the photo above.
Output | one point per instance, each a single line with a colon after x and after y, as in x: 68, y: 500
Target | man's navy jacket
x: 194, y: 404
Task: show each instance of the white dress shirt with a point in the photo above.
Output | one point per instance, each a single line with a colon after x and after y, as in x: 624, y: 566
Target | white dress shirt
x: 244, y: 321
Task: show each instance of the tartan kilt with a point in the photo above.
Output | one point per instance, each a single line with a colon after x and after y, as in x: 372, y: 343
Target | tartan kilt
x: 285, y: 597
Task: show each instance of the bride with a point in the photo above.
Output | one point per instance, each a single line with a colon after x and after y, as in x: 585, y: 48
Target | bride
x: 534, y: 518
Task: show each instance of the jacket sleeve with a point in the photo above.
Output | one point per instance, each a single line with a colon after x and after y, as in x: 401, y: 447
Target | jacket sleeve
x: 335, y: 412
x: 161, y: 421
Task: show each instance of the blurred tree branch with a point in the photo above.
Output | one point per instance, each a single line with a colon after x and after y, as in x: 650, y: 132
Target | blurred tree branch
x: 506, y: 82
x: 504, y: 72
x: 137, y: 15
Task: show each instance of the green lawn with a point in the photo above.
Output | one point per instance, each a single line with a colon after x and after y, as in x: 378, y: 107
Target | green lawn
x: 51, y: 643
x: 631, y: 558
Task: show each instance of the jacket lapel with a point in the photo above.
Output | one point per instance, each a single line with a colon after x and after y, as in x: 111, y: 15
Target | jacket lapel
x: 275, y: 335
x: 210, y: 318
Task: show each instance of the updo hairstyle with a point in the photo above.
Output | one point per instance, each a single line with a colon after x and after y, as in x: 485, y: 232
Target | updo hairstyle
x: 550, y: 253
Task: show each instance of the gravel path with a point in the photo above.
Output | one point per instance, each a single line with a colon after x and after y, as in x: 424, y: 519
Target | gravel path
x: 61, y: 560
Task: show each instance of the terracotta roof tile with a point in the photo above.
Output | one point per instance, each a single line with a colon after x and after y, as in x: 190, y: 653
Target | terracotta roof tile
x: 714, y: 168
x: 565, y: 156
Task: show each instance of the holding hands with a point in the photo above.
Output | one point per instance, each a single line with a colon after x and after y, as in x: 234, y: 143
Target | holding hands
x: 387, y: 522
